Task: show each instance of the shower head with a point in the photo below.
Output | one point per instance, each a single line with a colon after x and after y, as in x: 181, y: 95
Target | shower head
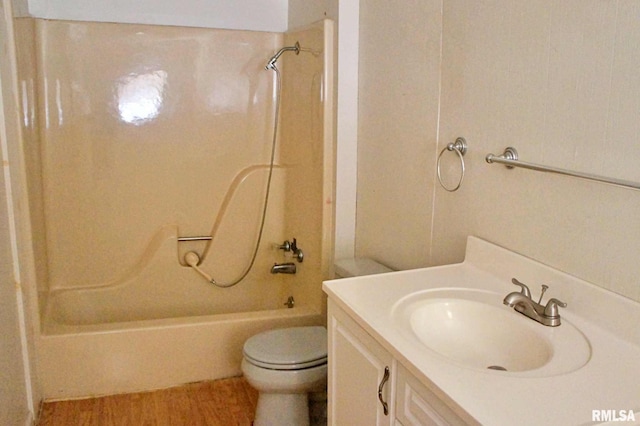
x: 272, y: 62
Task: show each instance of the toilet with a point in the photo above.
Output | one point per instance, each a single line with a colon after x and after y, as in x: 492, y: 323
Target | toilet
x: 359, y: 266
x: 286, y: 365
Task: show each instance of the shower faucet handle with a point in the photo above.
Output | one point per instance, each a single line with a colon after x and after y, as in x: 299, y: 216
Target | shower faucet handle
x: 286, y: 246
x: 297, y: 252
x: 292, y: 246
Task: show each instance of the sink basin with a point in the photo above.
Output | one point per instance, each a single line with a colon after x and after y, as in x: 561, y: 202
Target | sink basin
x: 474, y: 329
x: 479, y: 335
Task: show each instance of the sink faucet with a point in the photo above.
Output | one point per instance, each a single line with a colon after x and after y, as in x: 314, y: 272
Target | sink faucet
x: 521, y: 301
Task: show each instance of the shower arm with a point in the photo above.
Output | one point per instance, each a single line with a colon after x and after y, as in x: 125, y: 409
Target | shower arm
x: 272, y: 62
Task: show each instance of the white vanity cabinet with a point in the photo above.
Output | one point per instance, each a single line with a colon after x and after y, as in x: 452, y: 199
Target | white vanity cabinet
x: 359, y: 386
x: 396, y: 319
x: 361, y: 375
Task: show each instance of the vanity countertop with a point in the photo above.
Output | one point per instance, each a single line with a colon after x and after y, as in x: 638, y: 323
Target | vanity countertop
x: 610, y: 379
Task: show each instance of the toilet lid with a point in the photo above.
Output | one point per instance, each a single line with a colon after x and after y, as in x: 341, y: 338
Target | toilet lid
x: 288, y: 348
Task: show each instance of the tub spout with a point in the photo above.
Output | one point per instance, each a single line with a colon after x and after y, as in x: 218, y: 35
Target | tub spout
x: 283, y: 268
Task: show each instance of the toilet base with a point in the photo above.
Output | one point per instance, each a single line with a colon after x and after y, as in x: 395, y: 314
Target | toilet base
x: 282, y: 409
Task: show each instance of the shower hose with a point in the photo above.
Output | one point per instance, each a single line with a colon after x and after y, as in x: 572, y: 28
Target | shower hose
x: 192, y: 259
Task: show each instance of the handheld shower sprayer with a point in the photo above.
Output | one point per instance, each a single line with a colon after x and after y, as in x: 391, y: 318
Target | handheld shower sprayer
x: 272, y: 62
x: 192, y: 259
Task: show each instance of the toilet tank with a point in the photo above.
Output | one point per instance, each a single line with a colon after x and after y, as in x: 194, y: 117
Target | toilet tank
x: 355, y: 267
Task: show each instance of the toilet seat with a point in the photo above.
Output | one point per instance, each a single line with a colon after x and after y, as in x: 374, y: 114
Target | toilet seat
x: 288, y: 348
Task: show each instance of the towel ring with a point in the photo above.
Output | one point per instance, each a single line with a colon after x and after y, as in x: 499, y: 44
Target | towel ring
x: 460, y: 148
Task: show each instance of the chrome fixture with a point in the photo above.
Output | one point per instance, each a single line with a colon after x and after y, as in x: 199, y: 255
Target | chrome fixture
x: 297, y: 252
x: 283, y: 268
x: 385, y: 379
x: 460, y: 148
x: 271, y: 65
x: 202, y: 238
x: 290, y: 303
x: 521, y: 301
x: 286, y: 246
x: 509, y: 155
x: 292, y: 246
x: 510, y: 159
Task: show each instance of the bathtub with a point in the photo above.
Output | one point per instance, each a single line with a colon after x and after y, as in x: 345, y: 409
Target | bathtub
x: 159, y: 325
x: 122, y: 314
x: 111, y: 358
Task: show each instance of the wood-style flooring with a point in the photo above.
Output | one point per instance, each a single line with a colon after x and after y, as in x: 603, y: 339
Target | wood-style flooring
x: 226, y: 402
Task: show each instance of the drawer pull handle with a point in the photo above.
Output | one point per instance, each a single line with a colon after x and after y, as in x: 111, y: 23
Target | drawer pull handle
x: 385, y: 378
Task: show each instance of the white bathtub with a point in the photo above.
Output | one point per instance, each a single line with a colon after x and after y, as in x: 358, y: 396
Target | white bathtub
x: 110, y: 358
x: 159, y: 325
x: 114, y: 321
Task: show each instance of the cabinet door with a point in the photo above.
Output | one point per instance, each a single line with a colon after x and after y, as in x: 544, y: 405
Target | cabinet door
x: 417, y: 405
x: 358, y: 385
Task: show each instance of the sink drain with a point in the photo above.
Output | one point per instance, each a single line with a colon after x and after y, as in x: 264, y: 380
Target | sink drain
x: 497, y: 367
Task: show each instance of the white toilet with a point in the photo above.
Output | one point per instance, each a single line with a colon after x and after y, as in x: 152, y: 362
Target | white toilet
x: 359, y: 266
x: 285, y: 365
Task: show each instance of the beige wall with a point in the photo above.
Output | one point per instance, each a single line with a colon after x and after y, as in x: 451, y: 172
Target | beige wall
x: 556, y: 80
x: 14, y: 408
x: 18, y: 390
x: 397, y: 131
x: 13, y: 396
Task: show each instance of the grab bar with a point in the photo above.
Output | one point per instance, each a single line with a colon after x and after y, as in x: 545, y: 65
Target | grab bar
x: 205, y: 238
x: 510, y: 159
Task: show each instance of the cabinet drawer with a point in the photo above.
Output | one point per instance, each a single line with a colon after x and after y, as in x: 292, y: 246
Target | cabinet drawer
x: 419, y: 406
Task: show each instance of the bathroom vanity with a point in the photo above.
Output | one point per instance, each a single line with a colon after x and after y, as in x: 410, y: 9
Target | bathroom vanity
x: 368, y: 386
x: 438, y: 346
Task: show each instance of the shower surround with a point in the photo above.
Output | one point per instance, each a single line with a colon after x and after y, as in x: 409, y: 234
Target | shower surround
x: 136, y: 135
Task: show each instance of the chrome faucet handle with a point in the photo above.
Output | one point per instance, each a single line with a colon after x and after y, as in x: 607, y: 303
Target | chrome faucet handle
x: 297, y: 251
x: 524, y: 289
x: 286, y: 246
x: 551, y: 310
